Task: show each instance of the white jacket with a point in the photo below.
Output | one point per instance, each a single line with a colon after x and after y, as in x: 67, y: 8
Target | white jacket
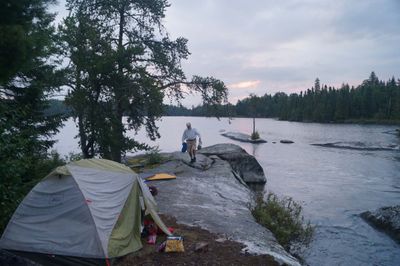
x: 191, y: 134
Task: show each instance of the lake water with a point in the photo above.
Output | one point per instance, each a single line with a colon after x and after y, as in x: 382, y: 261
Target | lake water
x: 359, y: 172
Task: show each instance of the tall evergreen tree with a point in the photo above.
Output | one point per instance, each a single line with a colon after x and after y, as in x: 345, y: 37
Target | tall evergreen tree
x: 123, y: 63
x: 27, y: 77
x: 317, y: 85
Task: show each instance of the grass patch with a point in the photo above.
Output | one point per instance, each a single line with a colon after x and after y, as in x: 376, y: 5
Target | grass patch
x: 283, y: 217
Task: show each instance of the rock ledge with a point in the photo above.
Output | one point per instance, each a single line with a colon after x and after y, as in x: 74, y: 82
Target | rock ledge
x: 386, y: 219
x: 241, y: 162
x: 211, y: 194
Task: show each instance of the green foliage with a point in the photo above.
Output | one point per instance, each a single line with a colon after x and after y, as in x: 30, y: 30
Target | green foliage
x: 73, y: 157
x: 46, y: 165
x: 23, y: 28
x: 57, y: 107
x: 123, y: 63
x: 373, y: 100
x: 154, y: 156
x: 283, y: 217
x: 28, y: 75
x: 255, y: 135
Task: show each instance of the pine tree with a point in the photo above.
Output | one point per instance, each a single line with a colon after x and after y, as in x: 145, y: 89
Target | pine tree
x: 27, y: 77
x: 123, y: 63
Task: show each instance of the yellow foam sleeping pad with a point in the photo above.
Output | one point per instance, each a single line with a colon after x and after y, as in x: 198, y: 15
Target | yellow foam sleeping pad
x: 161, y: 176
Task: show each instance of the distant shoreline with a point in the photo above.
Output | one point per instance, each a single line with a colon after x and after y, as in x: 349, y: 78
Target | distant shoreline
x: 347, y: 121
x: 58, y: 107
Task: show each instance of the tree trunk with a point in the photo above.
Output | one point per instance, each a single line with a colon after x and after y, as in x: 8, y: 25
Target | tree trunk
x: 82, y: 137
x: 85, y: 145
x: 117, y: 143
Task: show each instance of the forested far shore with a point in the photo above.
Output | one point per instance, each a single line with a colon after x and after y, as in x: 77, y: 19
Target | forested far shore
x: 373, y: 101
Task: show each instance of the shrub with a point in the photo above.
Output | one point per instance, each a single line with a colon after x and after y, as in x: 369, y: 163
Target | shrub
x: 71, y: 157
x: 283, y: 217
x: 255, y: 135
x: 154, y: 156
x: 45, y: 166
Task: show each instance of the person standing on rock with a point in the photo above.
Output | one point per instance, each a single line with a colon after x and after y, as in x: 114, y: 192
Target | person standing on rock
x: 189, y: 135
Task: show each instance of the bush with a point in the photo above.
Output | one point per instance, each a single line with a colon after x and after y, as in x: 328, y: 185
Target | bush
x: 283, y: 217
x: 71, y: 157
x: 255, y: 135
x: 154, y: 156
x: 46, y: 165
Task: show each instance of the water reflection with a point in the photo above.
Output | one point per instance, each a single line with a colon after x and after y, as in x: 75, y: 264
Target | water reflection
x: 254, y: 148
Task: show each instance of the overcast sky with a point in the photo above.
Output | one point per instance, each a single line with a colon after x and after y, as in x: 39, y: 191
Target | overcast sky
x: 266, y: 46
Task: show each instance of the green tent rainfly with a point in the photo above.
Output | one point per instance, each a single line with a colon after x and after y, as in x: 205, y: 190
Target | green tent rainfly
x: 89, y: 209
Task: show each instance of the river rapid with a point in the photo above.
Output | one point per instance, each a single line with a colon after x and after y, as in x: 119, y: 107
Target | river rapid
x: 353, y: 168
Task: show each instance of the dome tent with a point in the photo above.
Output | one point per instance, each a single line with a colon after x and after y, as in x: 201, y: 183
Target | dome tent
x: 88, y: 211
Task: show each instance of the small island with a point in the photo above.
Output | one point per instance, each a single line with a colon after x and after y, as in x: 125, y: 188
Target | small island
x: 242, y: 137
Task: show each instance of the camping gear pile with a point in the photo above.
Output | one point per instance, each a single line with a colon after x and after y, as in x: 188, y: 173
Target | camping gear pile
x: 87, y: 211
x: 172, y: 244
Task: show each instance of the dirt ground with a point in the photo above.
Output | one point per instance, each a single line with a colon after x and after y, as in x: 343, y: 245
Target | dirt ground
x: 218, y: 251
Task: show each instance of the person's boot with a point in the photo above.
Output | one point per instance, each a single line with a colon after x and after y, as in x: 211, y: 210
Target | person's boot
x: 194, y: 159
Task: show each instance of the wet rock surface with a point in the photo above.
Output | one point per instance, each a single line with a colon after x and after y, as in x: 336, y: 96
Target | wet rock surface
x: 286, y: 141
x: 241, y: 162
x: 358, y: 146
x: 242, y: 137
x: 208, y: 194
x: 386, y: 219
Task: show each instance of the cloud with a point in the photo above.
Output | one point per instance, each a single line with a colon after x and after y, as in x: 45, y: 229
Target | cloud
x: 285, y: 45
x: 245, y: 84
x: 235, y: 99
